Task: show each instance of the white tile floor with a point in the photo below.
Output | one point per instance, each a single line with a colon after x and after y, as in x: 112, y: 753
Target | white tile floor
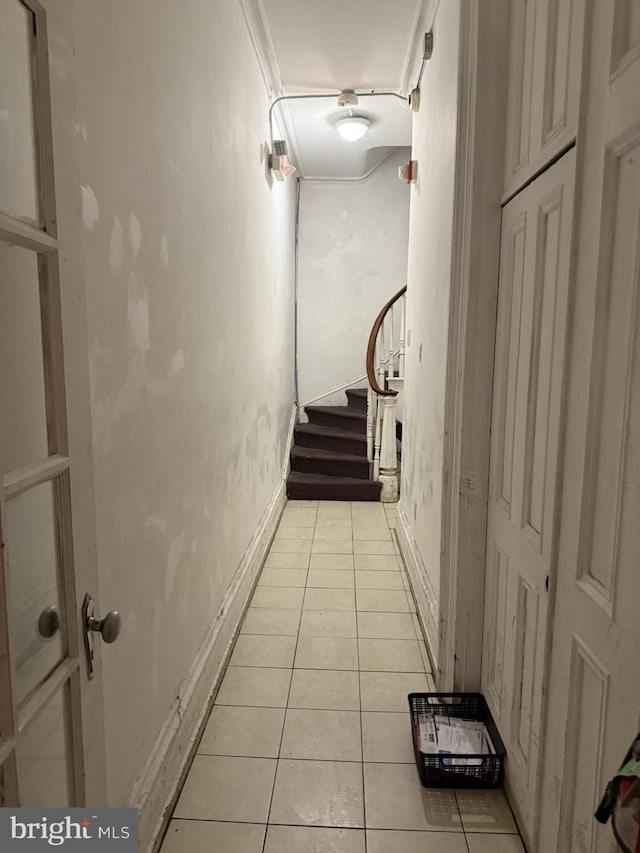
x: 308, y: 747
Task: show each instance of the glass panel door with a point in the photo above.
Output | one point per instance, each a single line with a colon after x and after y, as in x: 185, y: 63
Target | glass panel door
x: 41, y: 762
x: 18, y: 173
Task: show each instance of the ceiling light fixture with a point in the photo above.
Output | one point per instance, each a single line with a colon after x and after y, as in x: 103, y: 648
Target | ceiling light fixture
x: 352, y: 128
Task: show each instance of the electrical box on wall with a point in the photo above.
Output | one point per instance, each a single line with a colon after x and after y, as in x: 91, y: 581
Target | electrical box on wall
x: 408, y: 171
x: 278, y: 160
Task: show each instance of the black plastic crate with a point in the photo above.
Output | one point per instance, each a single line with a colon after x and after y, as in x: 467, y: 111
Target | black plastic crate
x: 436, y: 771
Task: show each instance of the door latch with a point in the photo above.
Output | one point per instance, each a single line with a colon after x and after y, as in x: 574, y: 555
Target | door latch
x: 108, y: 628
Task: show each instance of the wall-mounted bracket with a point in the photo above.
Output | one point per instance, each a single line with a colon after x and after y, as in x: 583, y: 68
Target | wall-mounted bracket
x: 427, y: 51
x: 278, y: 160
x: 408, y: 171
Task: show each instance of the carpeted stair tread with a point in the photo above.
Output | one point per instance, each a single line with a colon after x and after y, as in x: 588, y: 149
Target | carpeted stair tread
x: 331, y: 488
x: 358, y: 398
x: 329, y: 432
x: 330, y: 438
x: 321, y: 429
x: 343, y: 411
x: 341, y: 417
x: 316, y: 460
x: 320, y: 453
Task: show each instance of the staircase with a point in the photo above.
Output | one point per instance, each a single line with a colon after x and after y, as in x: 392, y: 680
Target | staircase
x: 349, y: 453
x: 329, y: 457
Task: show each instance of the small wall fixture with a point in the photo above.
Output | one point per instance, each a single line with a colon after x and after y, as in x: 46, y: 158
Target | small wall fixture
x: 352, y: 128
x: 348, y: 98
x: 408, y: 171
x: 278, y: 160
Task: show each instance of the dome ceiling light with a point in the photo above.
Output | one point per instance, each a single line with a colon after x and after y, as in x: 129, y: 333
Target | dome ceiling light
x: 352, y: 128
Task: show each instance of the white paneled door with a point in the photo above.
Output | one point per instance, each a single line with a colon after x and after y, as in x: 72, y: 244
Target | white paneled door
x: 525, y: 449
x: 594, y: 687
x: 51, y: 735
x: 545, y: 68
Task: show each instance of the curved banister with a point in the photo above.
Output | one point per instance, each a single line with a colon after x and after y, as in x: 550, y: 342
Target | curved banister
x: 371, y: 346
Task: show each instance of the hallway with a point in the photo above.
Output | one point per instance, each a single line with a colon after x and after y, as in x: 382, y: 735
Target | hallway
x: 309, y: 736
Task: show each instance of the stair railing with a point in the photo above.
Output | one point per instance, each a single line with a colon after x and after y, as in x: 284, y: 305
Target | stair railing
x: 385, y: 363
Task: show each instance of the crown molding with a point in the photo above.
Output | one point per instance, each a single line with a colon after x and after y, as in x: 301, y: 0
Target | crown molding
x: 423, y: 21
x: 256, y: 20
x: 260, y: 34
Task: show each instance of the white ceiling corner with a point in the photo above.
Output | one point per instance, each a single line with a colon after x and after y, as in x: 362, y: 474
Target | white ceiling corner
x: 306, y: 46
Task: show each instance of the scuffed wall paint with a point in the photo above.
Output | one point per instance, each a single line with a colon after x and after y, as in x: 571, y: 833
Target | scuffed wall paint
x: 189, y: 268
x: 428, y: 294
x: 90, y: 208
x: 352, y: 257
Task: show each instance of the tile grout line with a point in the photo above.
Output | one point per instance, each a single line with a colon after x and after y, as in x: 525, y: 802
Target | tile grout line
x: 351, y: 710
x: 284, y: 721
x: 364, y: 805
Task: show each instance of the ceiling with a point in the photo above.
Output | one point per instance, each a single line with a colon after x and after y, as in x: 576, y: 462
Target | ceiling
x: 328, y: 46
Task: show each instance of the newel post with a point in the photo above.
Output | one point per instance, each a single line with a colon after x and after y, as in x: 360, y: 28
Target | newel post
x: 371, y: 421
x: 388, y: 452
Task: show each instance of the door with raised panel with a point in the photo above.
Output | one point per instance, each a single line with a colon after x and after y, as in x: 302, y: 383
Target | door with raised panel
x: 533, y: 295
x: 51, y: 739
x: 594, y: 689
x: 545, y: 71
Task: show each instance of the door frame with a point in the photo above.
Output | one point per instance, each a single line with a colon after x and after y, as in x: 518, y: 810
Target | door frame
x: 67, y: 137
x: 58, y: 240
x: 482, y: 102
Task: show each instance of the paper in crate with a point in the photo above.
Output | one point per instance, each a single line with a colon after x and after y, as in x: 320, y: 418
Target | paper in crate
x: 444, y: 735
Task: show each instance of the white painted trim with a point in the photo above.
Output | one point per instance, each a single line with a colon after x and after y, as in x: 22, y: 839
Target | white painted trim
x: 157, y: 789
x: 423, y: 593
x: 335, y: 390
x: 260, y: 34
x: 286, y: 465
x: 359, y: 180
x: 475, y: 261
x: 425, y: 12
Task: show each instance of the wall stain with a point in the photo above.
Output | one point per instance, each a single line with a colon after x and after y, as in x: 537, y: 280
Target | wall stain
x: 116, y: 247
x: 90, y: 209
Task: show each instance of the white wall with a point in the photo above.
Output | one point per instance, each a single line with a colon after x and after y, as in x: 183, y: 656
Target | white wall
x: 428, y: 301
x: 352, y: 258
x: 189, y: 267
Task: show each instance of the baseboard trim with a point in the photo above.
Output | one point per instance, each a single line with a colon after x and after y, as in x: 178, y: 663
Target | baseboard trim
x: 423, y: 593
x: 286, y: 465
x: 157, y: 790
